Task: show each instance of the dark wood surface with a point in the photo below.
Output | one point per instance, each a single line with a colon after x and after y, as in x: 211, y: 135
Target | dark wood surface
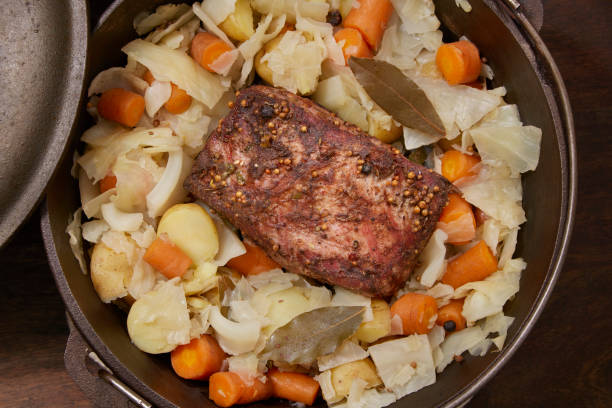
x: 566, y: 360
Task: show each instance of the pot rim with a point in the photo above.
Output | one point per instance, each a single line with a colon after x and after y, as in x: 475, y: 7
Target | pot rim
x: 512, y: 16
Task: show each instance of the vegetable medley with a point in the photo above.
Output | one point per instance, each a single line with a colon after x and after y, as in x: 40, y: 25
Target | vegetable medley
x: 225, y: 311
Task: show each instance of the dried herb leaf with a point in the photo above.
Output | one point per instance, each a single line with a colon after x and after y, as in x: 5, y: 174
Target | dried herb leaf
x: 313, y: 334
x: 397, y: 94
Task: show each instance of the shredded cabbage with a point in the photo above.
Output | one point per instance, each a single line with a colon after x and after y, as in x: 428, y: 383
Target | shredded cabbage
x: 218, y: 10
x: 93, y: 230
x: 360, y: 397
x: 117, y: 77
x: 417, y: 15
x: 156, y: 96
x: 230, y: 246
x: 327, y: 388
x: 210, y: 25
x: 498, y: 323
x: 73, y: 229
x: 432, y: 260
x: 177, y: 67
x: 317, y: 10
x: 102, y: 133
x: 133, y: 185
x: 455, y: 344
x: 347, y: 352
x: 163, y: 31
x: 345, y: 297
x: 143, y: 23
x: 405, y: 365
x: 508, y: 248
x: 143, y: 278
x: 497, y: 192
x: 245, y: 365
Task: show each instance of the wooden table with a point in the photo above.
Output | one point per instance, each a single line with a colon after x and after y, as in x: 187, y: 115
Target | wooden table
x: 566, y: 360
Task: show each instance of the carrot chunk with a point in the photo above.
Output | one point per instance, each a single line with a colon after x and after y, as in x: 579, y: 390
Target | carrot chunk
x: 179, y: 100
x: 456, y: 165
x: 206, y: 48
x: 254, y: 261
x: 256, y: 390
x: 370, y: 17
x: 121, y: 106
x: 225, y: 388
x: 450, y: 317
x: 198, y: 359
x: 167, y: 258
x: 109, y: 181
x: 458, y: 221
x: 473, y: 265
x: 417, y: 312
x: 354, y: 45
x: 294, y: 386
x: 459, y: 62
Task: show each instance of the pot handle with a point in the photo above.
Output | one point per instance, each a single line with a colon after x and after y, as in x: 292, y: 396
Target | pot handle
x: 94, y: 378
x: 532, y: 9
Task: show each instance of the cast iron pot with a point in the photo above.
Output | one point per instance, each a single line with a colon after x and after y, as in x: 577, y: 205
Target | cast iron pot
x: 521, y: 62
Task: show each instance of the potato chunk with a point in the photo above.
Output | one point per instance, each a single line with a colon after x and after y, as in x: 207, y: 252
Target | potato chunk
x: 379, y: 326
x: 110, y: 273
x: 239, y: 25
x: 344, y: 375
x: 190, y: 228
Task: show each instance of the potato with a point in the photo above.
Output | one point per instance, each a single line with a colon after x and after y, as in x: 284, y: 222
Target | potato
x: 239, y: 25
x: 262, y: 68
x: 342, y: 376
x: 287, y: 304
x: 202, y: 279
x: 159, y: 320
x: 190, y: 228
x: 110, y: 273
x: 382, y: 134
x: 379, y: 326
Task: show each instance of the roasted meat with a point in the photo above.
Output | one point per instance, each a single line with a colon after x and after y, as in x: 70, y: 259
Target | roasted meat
x: 321, y: 197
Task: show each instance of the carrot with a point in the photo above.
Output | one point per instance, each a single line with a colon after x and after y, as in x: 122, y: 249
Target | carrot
x: 458, y: 221
x: 254, y: 261
x: 256, y: 391
x: 225, y: 388
x: 206, y: 48
x: 370, y: 17
x: 417, y: 312
x: 473, y: 265
x: 109, y: 181
x: 293, y: 386
x: 459, y: 62
x: 354, y: 44
x: 456, y: 165
x: 450, y: 317
x: 179, y: 100
x: 121, y: 106
x: 167, y: 258
x: 198, y: 359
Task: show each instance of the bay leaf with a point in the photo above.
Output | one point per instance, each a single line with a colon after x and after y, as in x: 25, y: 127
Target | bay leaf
x: 397, y: 95
x: 313, y: 334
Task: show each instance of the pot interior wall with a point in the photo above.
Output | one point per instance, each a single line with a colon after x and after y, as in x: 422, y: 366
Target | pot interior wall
x: 104, y: 325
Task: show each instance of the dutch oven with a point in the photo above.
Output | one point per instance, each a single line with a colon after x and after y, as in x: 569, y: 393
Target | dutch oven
x: 520, y: 61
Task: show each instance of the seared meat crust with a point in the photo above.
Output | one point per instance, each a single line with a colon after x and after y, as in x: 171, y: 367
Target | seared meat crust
x: 321, y: 197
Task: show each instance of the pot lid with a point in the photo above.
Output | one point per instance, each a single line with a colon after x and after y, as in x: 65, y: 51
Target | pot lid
x: 42, y: 54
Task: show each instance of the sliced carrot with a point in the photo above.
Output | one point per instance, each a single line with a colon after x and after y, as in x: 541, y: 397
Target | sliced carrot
x: 255, y: 390
x: 179, y: 100
x: 456, y: 165
x: 450, y: 317
x: 121, y: 106
x: 225, y: 388
x: 458, y: 221
x: 417, y: 312
x: 198, y: 359
x: 294, y: 386
x: 206, y: 48
x: 254, y: 261
x: 473, y: 265
x: 370, y: 17
x: 167, y: 258
x: 109, y: 181
x: 459, y: 62
x: 354, y: 45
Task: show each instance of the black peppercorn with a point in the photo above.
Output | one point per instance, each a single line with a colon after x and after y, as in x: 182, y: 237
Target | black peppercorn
x: 334, y: 17
x: 267, y: 111
x: 450, y: 326
x: 366, y: 168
